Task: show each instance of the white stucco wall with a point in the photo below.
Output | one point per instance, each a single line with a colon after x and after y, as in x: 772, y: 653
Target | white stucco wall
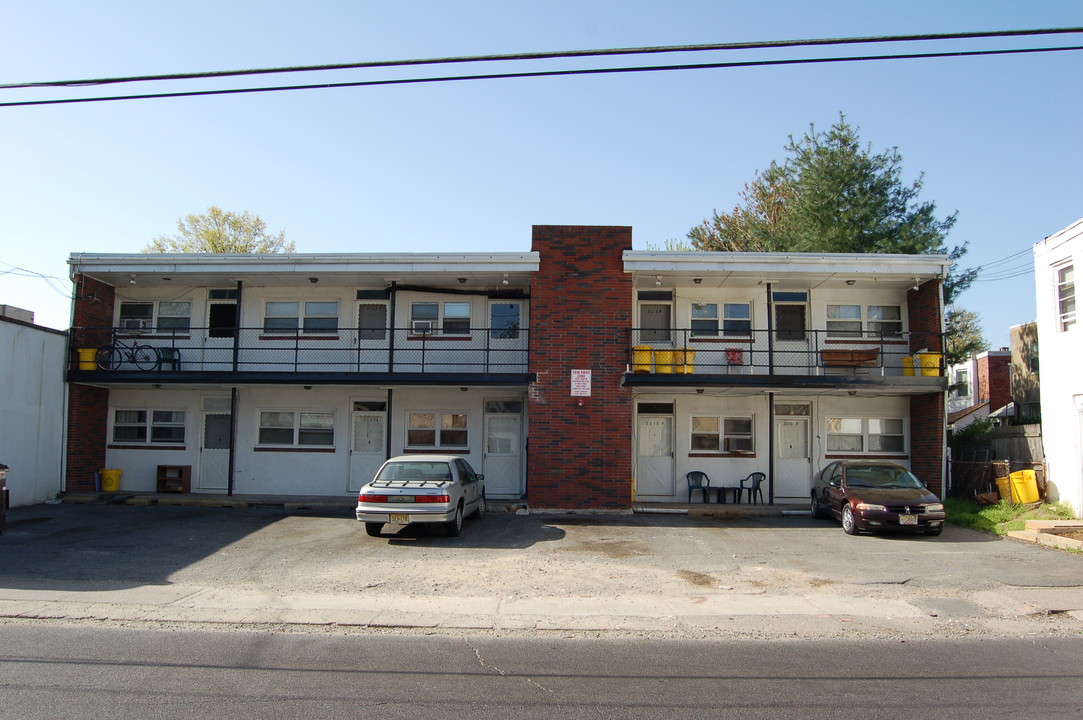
x: 1062, y: 384
x: 32, y: 410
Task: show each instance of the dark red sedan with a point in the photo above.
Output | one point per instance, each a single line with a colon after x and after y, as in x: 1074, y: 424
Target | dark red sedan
x: 871, y: 495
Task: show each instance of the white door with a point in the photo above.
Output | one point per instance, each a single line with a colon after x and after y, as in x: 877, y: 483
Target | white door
x: 368, y: 448
x: 654, y: 457
x: 214, y: 453
x: 792, y: 463
x: 503, y: 456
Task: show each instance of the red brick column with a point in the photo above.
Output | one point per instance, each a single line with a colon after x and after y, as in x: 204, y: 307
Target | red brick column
x: 927, y: 412
x: 580, y: 319
x: 994, y: 381
x: 88, y: 407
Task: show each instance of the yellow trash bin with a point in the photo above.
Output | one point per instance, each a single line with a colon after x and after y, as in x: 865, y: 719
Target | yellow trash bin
x: 664, y: 361
x: 1004, y: 486
x: 1024, y: 487
x: 641, y: 358
x: 929, y: 363
x: 88, y: 358
x: 908, y: 365
x: 689, y: 366
x: 110, y: 480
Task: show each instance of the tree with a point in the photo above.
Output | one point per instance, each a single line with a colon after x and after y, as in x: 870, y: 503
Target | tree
x: 834, y: 195
x: 964, y: 336
x: 220, y: 231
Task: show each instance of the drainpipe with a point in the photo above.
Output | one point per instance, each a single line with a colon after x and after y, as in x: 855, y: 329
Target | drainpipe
x: 770, y: 330
x: 232, y: 438
x: 387, y: 425
x: 392, y: 292
x: 771, y: 448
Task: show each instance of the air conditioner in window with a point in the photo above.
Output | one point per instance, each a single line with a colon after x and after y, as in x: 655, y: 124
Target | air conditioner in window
x: 423, y: 326
x: 134, y: 324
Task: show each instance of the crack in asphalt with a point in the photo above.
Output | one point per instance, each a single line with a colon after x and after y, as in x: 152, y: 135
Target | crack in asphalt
x: 487, y: 666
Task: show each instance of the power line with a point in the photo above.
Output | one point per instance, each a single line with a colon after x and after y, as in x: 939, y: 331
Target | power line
x: 555, y: 55
x: 547, y: 73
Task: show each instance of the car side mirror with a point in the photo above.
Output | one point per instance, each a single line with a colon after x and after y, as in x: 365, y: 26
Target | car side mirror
x: 480, y: 477
x: 834, y: 482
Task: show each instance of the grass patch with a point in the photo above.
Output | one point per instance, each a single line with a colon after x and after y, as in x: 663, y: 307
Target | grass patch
x: 1003, y: 517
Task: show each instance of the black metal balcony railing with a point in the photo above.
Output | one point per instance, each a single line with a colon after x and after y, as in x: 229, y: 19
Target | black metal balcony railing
x: 341, y: 350
x: 785, y: 352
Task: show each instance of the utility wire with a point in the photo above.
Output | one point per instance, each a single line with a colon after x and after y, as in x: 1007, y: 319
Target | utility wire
x: 556, y: 54
x: 548, y: 73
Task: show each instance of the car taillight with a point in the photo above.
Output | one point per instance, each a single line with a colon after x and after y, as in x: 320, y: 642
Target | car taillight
x: 433, y: 498
x: 372, y: 498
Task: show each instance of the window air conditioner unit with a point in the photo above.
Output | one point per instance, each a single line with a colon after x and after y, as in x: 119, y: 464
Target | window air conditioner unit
x: 134, y: 324
x: 423, y: 326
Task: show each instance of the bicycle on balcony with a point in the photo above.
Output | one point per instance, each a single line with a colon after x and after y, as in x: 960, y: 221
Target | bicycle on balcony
x: 144, y: 357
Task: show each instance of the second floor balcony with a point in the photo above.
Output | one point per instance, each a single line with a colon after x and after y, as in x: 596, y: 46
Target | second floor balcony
x: 112, y: 354
x: 669, y: 356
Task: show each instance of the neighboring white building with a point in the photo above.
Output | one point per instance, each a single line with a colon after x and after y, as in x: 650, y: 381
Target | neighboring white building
x: 1062, y: 345
x: 32, y: 406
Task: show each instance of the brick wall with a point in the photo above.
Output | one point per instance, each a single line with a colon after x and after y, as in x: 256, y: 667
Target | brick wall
x: 994, y: 380
x: 580, y: 319
x: 927, y: 439
x: 88, y: 407
x: 927, y: 412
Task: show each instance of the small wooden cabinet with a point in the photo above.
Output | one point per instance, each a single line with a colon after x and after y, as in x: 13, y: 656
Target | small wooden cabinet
x: 174, y: 478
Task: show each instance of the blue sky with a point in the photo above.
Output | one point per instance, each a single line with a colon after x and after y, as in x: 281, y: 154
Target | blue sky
x: 470, y: 166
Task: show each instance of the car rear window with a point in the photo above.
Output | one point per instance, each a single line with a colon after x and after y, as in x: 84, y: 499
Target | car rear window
x: 427, y: 471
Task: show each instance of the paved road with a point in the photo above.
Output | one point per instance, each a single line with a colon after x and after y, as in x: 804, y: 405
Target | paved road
x: 618, y: 575
x: 105, y: 673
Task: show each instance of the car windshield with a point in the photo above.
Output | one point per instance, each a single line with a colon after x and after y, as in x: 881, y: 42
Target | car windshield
x: 881, y: 476
x: 423, y: 471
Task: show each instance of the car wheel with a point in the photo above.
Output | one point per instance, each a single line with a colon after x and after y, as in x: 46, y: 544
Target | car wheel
x: 374, y: 529
x: 481, y: 507
x: 815, y: 509
x: 849, y: 522
x: 935, y: 531
x: 455, y: 526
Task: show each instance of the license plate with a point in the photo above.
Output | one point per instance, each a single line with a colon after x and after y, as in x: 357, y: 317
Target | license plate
x: 908, y: 519
x: 399, y: 519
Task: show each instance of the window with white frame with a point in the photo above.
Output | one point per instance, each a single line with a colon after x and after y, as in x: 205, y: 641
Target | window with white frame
x: 1065, y: 297
x: 722, y: 433
x: 148, y: 427
x: 962, y: 382
x: 437, y: 430
x: 312, y: 317
x: 736, y: 319
x: 866, y: 435
x: 296, y: 428
x: 855, y: 321
x: 164, y: 316
x: 449, y: 318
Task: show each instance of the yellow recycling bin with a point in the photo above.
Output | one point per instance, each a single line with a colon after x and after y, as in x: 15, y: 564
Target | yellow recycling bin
x: 1024, y: 487
x: 689, y: 365
x: 88, y: 358
x: 110, y: 480
x: 641, y: 358
x: 664, y: 360
x: 929, y: 363
x: 1004, y: 486
x: 908, y: 365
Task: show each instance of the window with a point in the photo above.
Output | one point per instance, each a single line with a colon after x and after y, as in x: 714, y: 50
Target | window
x: 737, y: 320
x: 962, y: 382
x: 425, y: 318
x: 712, y: 433
x: 1032, y: 356
x: 297, y: 428
x: 1066, y: 297
x: 855, y: 321
x: 284, y: 317
x: 436, y: 430
x: 172, y: 317
x: 704, y: 319
x: 165, y: 427
x: 504, y: 320
x: 860, y: 435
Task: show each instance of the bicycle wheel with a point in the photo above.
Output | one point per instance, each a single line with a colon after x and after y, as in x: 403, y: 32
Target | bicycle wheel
x: 109, y: 357
x: 145, y: 357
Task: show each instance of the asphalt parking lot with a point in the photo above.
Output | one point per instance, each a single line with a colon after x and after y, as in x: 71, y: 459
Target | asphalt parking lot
x: 621, y: 573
